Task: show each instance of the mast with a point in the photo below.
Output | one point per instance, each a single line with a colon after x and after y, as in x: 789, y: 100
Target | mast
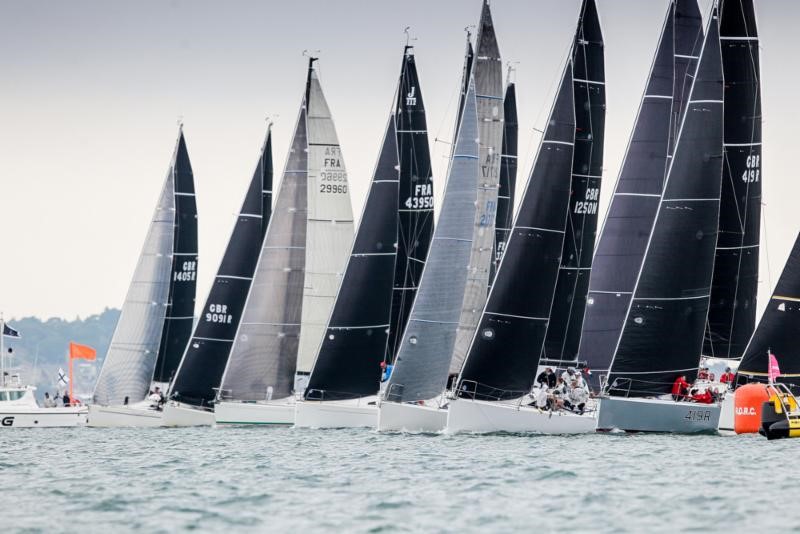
x: 347, y: 363
x: 778, y: 327
x: 732, y: 316
x: 206, y: 354
x: 264, y: 353
x: 566, y: 318
x: 415, y: 199
x: 503, y: 357
x: 422, y: 363
x: 488, y: 79
x: 662, y: 336
x: 508, y: 175
x: 634, y: 204
x: 130, y: 362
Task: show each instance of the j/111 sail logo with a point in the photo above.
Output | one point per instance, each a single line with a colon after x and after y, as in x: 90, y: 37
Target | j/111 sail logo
x: 187, y: 272
x: 411, y: 98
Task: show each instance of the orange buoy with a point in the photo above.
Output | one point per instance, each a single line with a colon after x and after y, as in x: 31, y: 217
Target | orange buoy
x: 748, y: 403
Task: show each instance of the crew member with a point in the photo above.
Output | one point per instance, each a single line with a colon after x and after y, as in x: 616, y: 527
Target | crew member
x: 679, y: 388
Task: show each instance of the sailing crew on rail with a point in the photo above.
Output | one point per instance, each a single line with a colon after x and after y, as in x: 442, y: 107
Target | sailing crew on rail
x: 547, y: 378
x: 727, y: 377
x: 679, y: 388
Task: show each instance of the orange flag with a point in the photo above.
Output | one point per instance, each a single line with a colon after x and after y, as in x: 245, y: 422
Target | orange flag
x: 83, y: 352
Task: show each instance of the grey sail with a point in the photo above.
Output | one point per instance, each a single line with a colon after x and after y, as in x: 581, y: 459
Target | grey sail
x: 264, y: 352
x: 129, y: 365
x: 488, y: 75
x: 633, y: 205
x: 423, y: 360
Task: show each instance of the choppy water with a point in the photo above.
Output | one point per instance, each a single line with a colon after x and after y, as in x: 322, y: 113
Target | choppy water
x: 277, y: 479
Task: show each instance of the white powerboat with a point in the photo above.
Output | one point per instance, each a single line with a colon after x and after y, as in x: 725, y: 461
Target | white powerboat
x: 19, y: 409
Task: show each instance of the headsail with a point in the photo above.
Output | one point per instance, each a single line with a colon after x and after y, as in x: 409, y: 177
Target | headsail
x: 130, y: 364
x: 504, y: 354
x: 207, y: 352
x: 508, y: 177
x: 732, y: 315
x: 264, y: 353
x: 415, y: 200
x: 778, y: 327
x: 663, y: 332
x: 633, y: 206
x: 488, y: 78
x: 422, y: 363
x: 566, y: 318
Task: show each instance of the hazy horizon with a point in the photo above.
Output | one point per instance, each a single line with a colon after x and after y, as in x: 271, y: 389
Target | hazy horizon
x: 94, y: 90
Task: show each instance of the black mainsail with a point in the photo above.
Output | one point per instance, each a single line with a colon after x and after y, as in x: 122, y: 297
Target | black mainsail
x: 566, y: 318
x: 633, y: 206
x: 156, y: 316
x: 508, y: 177
x: 207, y: 352
x: 662, y: 336
x: 504, y: 353
x: 778, y: 327
x: 414, y: 201
x: 732, y: 315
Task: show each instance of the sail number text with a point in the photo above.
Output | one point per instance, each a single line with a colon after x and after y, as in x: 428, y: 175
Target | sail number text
x: 332, y: 176
x: 753, y: 171
x: 588, y: 206
x: 423, y: 197
x: 187, y: 273
x: 218, y: 313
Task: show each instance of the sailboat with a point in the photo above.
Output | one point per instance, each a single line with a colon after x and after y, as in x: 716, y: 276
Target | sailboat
x: 588, y: 63
x: 508, y: 175
x: 380, y: 279
x: 18, y: 405
x: 296, y: 277
x: 413, y: 393
x: 487, y: 70
x: 662, y: 336
x: 635, y: 200
x: 156, y: 318
x: 193, y: 389
x: 501, y: 365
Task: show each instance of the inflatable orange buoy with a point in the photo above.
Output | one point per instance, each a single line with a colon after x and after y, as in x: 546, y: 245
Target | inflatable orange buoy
x: 748, y: 403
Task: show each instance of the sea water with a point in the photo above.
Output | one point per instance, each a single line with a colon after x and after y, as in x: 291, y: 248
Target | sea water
x: 357, y: 480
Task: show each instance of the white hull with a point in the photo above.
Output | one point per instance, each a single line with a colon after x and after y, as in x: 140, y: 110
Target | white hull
x: 123, y: 416
x: 28, y: 417
x: 466, y: 415
x: 411, y: 417
x: 177, y: 414
x: 278, y: 412
x: 353, y: 413
x: 726, y: 418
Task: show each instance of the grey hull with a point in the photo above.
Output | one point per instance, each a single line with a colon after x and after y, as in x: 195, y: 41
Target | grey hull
x: 656, y: 415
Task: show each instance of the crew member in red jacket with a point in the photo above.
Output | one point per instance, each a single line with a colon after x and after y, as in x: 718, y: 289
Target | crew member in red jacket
x: 727, y: 377
x: 703, y: 398
x: 679, y: 388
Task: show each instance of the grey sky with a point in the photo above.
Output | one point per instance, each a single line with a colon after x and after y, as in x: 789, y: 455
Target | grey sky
x: 91, y: 91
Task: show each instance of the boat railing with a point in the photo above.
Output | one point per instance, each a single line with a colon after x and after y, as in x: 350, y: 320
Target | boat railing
x: 394, y: 393
x: 473, y: 390
x: 319, y: 395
